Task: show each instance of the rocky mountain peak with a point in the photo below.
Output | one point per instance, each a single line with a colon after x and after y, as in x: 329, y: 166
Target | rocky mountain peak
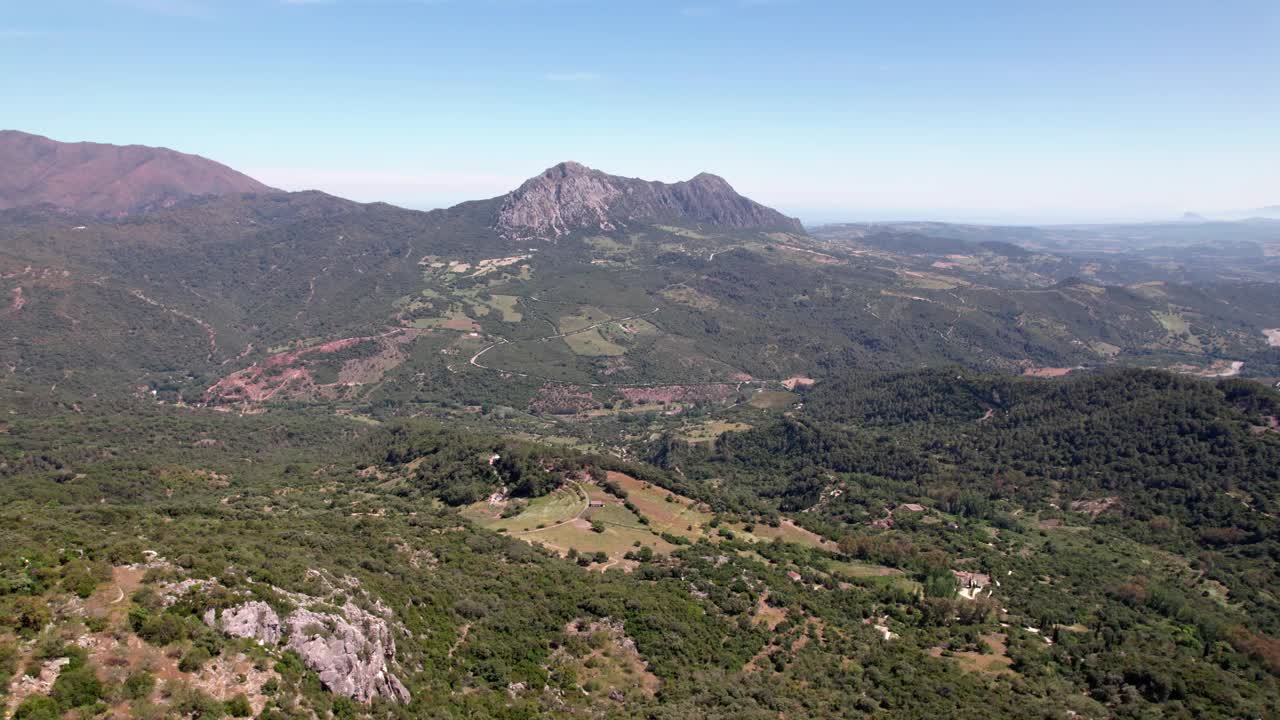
x: 710, y: 181
x: 571, y: 197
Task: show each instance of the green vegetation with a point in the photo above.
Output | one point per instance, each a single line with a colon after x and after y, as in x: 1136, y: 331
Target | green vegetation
x: 631, y: 520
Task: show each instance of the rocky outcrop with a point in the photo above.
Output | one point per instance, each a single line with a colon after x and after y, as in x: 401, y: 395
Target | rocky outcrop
x: 253, y: 620
x: 572, y: 197
x: 351, y: 651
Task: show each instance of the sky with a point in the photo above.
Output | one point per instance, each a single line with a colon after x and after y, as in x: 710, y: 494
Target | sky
x: 1029, y: 111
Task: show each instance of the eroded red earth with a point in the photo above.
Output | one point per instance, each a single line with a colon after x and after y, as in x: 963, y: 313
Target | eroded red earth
x: 286, y: 374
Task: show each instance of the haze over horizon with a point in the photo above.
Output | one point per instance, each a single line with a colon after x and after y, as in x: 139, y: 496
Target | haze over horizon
x: 826, y: 111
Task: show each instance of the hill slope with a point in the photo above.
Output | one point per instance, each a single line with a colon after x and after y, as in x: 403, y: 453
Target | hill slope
x: 107, y: 180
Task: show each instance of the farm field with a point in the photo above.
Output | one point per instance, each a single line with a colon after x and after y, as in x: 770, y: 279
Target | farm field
x: 589, y: 343
x: 566, y: 520
x: 506, y: 306
x: 666, y: 511
x: 787, y: 531
x: 772, y: 399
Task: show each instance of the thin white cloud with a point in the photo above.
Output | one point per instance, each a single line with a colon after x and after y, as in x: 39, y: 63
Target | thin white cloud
x: 18, y: 33
x: 572, y: 76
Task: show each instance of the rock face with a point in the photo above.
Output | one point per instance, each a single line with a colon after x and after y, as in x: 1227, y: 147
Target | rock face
x: 252, y: 620
x: 571, y: 197
x: 107, y: 180
x: 349, y: 651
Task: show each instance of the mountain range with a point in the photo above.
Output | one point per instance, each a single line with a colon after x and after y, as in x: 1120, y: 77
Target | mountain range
x: 193, y: 294
x: 107, y: 180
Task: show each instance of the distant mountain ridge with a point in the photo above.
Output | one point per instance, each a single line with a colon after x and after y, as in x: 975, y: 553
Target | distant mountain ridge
x: 108, y: 180
x: 571, y: 197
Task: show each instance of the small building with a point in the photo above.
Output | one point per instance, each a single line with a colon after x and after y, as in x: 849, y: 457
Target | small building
x: 912, y: 507
x: 795, y: 576
x: 596, y: 504
x: 971, y: 580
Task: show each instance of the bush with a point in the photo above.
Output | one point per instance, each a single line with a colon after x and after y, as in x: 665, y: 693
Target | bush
x: 139, y: 685
x: 162, y: 629
x: 76, y: 687
x: 192, y: 703
x: 38, y: 707
x: 238, y: 706
x: 31, y: 614
x: 194, y: 659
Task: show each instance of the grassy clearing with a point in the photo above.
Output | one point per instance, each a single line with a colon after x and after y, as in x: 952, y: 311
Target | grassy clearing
x: 620, y: 535
x: 606, y: 244
x: 506, y: 306
x: 456, y: 319
x: 859, y: 569
x: 786, y: 531
x: 772, y: 399
x: 585, y: 316
x: 607, y: 663
x: 592, y: 344
x: 688, y: 296
x: 566, y: 523
x: 589, y: 343
x: 1173, y: 323
x: 666, y: 511
x: 710, y: 430
x: 683, y: 232
x: 995, y: 662
x: 557, y: 507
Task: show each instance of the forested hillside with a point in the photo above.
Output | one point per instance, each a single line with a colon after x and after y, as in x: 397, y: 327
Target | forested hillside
x: 905, y: 545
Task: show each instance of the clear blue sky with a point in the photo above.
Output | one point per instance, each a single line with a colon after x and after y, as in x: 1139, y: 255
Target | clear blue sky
x: 830, y: 110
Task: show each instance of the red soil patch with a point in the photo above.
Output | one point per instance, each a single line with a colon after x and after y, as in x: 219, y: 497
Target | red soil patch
x: 666, y: 511
x: 767, y: 615
x: 797, y: 382
x: 665, y: 394
x: 1046, y: 372
x: 465, y: 324
x: 286, y: 375
x: 562, y: 400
